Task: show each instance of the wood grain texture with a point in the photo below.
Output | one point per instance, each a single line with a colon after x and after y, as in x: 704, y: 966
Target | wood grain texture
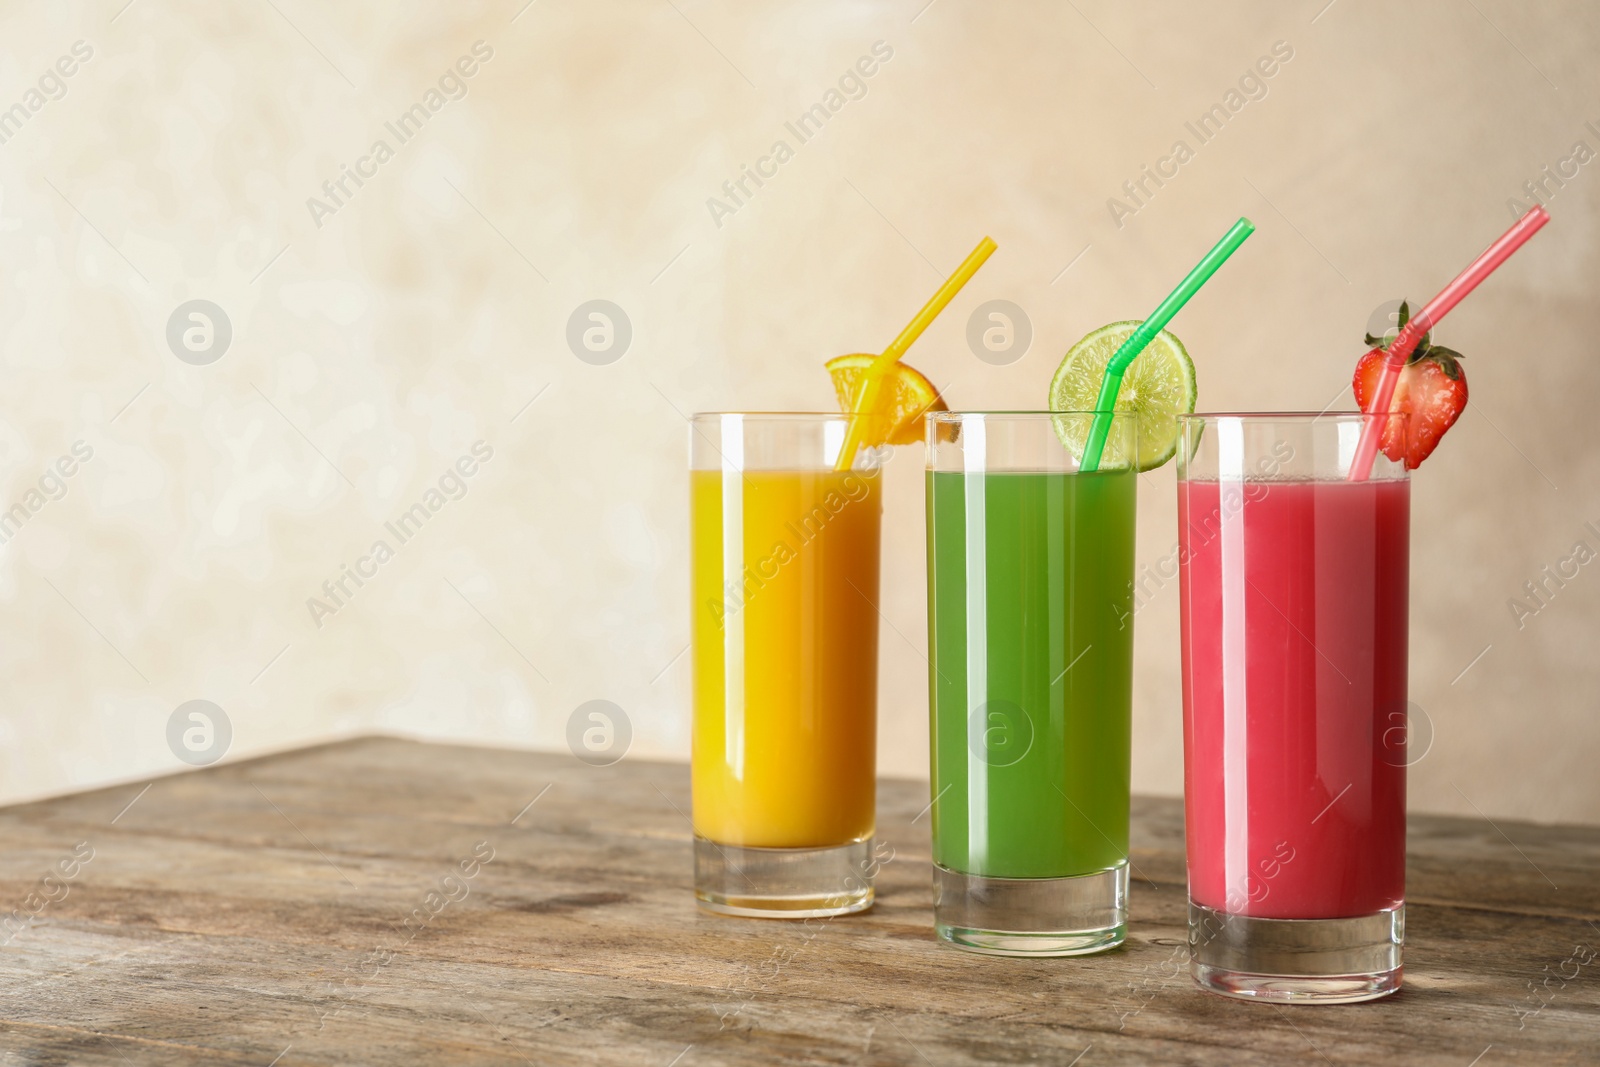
x: 281, y: 907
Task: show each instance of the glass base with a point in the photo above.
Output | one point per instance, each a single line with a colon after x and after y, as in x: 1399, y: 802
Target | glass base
x: 1301, y: 961
x: 783, y: 883
x: 1031, y: 916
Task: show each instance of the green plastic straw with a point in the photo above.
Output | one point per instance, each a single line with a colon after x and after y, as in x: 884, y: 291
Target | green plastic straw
x: 1147, y: 331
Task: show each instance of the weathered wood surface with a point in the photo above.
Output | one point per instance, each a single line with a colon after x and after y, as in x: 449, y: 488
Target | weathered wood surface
x: 258, y: 910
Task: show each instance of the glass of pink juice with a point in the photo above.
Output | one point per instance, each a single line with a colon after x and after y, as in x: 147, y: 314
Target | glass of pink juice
x: 1293, y: 582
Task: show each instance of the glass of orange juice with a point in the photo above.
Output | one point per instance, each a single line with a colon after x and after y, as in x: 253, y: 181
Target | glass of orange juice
x: 784, y: 580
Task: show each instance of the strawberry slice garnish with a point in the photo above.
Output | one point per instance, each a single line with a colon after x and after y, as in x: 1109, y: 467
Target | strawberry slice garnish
x: 1432, y: 390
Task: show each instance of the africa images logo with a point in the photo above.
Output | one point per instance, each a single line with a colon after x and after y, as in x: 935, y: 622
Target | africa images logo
x: 1252, y: 86
x: 851, y: 85
x: 452, y: 85
x: 452, y: 485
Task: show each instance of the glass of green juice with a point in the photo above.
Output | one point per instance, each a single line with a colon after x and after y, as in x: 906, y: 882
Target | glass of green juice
x: 1030, y: 637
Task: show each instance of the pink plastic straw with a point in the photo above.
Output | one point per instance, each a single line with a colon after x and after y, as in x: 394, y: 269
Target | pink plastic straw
x: 1411, y: 333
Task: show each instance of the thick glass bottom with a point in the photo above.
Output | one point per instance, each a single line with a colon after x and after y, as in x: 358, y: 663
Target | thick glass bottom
x: 783, y: 883
x: 1031, y: 916
x: 1297, y: 961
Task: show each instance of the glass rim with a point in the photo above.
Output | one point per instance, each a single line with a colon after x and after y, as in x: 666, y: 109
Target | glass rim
x: 953, y: 416
x: 1287, y: 416
x: 795, y: 415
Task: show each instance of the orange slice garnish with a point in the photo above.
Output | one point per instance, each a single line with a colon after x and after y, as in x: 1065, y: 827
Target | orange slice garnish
x: 904, y: 397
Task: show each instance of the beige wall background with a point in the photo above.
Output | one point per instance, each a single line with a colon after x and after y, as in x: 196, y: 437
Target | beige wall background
x: 374, y: 341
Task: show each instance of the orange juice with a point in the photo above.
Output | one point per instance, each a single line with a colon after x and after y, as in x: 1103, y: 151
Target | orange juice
x: 784, y: 578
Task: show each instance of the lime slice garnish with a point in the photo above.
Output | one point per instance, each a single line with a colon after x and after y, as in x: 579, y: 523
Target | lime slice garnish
x: 1157, y: 387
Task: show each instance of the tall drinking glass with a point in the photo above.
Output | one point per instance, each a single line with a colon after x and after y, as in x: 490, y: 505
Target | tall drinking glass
x: 1293, y: 585
x: 1030, y: 637
x: 784, y: 579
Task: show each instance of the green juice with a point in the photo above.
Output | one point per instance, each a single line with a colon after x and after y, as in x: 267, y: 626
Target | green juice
x: 1030, y: 633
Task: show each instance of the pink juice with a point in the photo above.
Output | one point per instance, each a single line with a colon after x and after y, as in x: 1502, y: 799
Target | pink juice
x: 1294, y: 696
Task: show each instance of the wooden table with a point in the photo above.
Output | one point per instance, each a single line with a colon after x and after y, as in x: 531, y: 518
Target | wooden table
x: 385, y: 901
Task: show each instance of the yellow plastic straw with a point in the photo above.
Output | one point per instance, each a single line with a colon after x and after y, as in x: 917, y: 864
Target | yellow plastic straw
x: 866, y: 399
